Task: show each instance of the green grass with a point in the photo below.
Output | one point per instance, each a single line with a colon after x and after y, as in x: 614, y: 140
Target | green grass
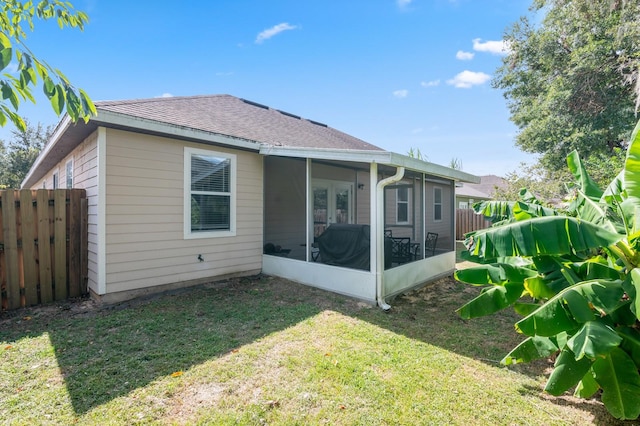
x: 268, y: 351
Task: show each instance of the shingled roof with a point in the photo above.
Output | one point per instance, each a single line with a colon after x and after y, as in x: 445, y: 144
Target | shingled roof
x: 237, y: 118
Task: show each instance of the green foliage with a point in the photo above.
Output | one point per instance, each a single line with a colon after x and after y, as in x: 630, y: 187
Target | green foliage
x: 571, y: 78
x: 17, y: 158
x: 31, y: 71
x: 575, y: 278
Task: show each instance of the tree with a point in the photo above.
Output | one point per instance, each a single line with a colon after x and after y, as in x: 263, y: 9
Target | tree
x: 31, y: 71
x: 571, y: 81
x: 549, y: 183
x: 17, y: 158
x: 575, y: 279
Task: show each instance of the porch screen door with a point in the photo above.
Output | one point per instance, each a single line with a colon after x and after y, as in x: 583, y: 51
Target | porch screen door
x: 332, y: 203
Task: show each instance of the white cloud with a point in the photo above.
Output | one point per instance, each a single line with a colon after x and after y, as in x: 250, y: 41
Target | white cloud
x: 464, y: 56
x: 496, y: 47
x: 417, y: 130
x: 467, y: 79
x: 431, y: 83
x: 401, y: 93
x: 275, y: 30
x: 403, y: 3
x: 165, y: 95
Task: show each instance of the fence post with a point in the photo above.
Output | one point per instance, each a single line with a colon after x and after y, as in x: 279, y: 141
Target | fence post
x: 10, y: 235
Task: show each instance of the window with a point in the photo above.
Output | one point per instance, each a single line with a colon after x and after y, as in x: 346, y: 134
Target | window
x: 44, y: 184
x: 209, y: 193
x: 402, y: 205
x: 437, y: 204
x: 55, y: 180
x: 69, y: 173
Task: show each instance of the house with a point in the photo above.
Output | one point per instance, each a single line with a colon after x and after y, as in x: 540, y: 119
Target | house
x: 469, y: 193
x: 187, y: 190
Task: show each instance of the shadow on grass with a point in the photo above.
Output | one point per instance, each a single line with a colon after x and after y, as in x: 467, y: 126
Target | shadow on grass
x: 108, y: 353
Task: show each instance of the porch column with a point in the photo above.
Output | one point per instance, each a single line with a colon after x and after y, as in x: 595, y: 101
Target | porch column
x: 375, y: 254
x: 309, y: 207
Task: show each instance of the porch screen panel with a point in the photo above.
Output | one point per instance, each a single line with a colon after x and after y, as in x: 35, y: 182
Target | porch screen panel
x: 210, y: 193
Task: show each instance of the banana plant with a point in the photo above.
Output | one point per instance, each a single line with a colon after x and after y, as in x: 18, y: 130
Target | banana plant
x: 574, y: 276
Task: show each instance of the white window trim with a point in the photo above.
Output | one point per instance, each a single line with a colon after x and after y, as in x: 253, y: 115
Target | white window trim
x: 55, y: 179
x: 398, y: 202
x: 231, y: 232
x: 66, y: 174
x: 437, y: 188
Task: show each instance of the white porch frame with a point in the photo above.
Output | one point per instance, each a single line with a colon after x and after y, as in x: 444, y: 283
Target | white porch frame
x: 377, y: 284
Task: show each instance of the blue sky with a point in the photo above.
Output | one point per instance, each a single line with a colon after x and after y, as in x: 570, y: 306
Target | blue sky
x: 400, y: 74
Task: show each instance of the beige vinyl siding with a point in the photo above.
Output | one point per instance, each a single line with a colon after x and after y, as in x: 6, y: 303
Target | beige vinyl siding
x: 444, y: 227
x: 145, y: 244
x: 85, y: 170
x: 285, y: 204
x: 363, y: 198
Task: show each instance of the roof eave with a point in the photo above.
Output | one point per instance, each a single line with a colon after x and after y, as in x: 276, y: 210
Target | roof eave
x: 60, y: 130
x: 371, y: 156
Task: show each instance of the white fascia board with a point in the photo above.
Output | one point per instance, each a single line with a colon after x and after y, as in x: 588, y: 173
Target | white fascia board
x: 432, y: 168
x: 366, y: 156
x: 106, y: 118
x: 51, y: 143
x: 358, y: 156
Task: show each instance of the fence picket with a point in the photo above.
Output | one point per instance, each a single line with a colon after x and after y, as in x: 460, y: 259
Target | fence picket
x: 44, y: 246
x: 60, y: 244
x: 10, y: 234
x: 29, y: 260
x: 73, y: 213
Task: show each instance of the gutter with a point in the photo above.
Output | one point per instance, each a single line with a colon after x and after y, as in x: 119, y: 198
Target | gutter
x: 380, y: 232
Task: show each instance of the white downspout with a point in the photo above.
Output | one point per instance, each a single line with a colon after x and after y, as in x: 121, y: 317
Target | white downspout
x: 380, y: 233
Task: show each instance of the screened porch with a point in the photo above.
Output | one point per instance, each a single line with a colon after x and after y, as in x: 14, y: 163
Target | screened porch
x: 393, y: 213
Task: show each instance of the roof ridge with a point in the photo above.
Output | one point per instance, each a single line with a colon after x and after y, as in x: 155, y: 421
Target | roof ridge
x: 156, y: 99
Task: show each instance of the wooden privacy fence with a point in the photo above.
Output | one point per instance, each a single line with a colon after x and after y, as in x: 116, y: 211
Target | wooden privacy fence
x: 43, y: 246
x: 467, y: 220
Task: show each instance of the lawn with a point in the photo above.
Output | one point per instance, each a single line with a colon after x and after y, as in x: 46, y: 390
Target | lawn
x: 268, y: 351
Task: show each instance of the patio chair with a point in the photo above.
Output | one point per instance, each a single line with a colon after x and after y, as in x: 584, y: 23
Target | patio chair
x: 430, y: 243
x: 429, y: 246
x: 400, y: 250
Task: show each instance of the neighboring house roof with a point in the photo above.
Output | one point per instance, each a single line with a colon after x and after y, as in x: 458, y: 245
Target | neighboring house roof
x: 486, y: 189
x: 230, y: 121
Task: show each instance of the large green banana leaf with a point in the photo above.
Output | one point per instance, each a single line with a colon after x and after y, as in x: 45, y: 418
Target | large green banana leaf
x: 532, y: 348
x: 618, y: 376
x: 594, y: 339
x: 496, y: 273
x: 631, y: 343
x: 615, y: 192
x: 512, y: 211
x: 567, y: 372
x: 555, y: 235
x: 587, y: 387
x: 632, y: 287
x: 632, y: 167
x: 584, y: 181
x: 491, y: 300
x: 495, y: 211
x: 573, y: 306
